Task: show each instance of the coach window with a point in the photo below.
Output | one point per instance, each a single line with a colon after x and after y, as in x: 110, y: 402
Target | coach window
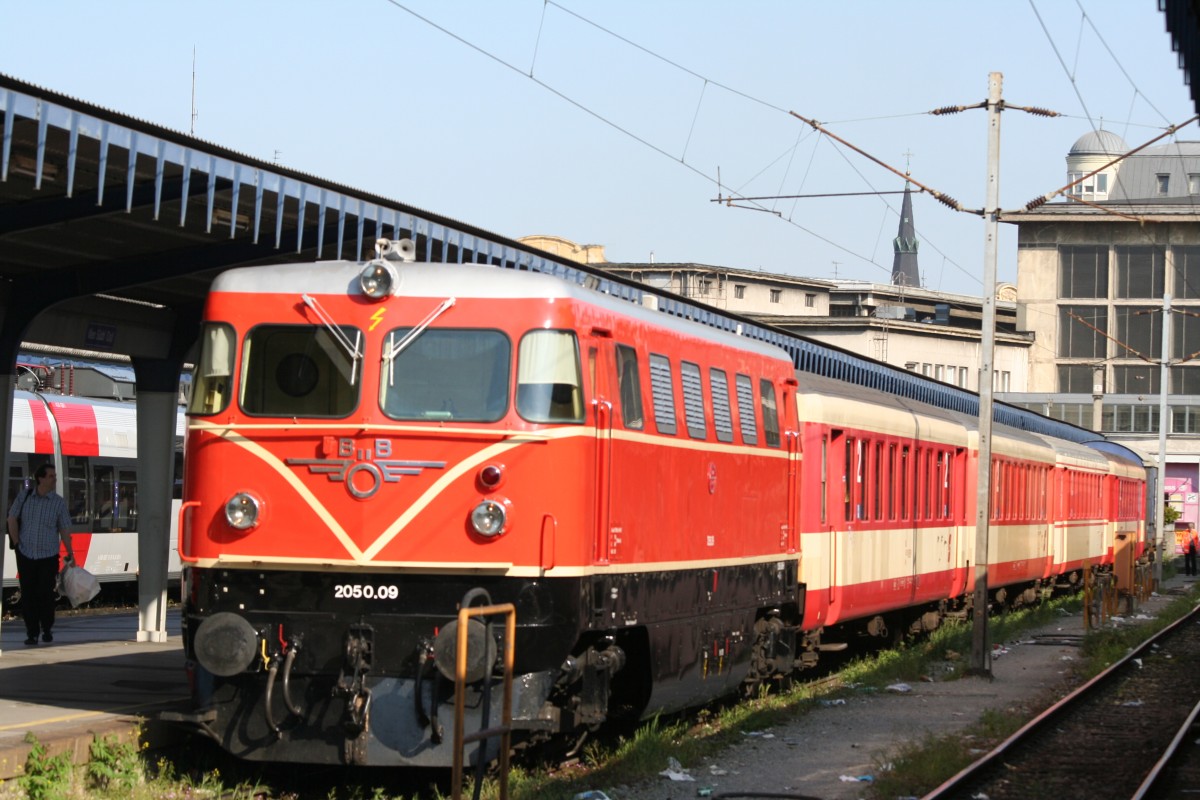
x: 877, y: 484
x: 549, y: 377
x: 213, y: 376
x: 662, y: 392
x: 747, y: 419
x: 693, y: 400
x: 718, y: 387
x: 904, y: 479
x: 301, y: 371
x: 451, y: 374
x: 77, y: 490
x: 824, y: 478
x: 629, y: 386
x: 893, y: 475
x: 114, y: 493
x: 770, y: 413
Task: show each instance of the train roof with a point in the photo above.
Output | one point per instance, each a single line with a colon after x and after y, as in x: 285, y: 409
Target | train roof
x: 807, y: 355
x: 422, y: 279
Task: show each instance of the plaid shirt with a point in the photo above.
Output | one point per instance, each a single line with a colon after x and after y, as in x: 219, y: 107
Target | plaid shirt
x: 42, y: 517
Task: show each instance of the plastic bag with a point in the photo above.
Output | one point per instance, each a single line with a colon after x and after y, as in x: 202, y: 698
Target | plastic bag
x: 77, y: 585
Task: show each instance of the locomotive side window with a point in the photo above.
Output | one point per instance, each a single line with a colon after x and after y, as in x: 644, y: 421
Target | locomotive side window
x: 693, y: 400
x: 549, y: 377
x: 746, y: 415
x: 447, y: 374
x: 770, y: 413
x: 662, y: 394
x: 718, y: 385
x: 213, y: 377
x: 300, y: 371
x: 629, y: 385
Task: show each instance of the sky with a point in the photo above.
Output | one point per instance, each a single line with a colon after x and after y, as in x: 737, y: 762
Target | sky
x: 618, y: 123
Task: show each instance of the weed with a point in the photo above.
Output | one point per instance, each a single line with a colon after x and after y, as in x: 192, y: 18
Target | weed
x: 113, y: 765
x: 46, y: 777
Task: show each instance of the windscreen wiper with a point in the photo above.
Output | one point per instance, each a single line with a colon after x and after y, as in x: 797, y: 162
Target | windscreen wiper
x: 389, y: 355
x: 351, y: 347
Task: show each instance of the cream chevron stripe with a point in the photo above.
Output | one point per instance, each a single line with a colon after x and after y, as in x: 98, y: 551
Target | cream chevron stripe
x: 290, y: 476
x: 452, y: 474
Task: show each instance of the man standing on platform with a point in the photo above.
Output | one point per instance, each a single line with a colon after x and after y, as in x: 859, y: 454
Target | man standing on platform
x: 37, y: 520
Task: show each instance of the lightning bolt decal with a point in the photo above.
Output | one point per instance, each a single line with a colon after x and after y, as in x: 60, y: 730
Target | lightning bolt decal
x: 377, y: 318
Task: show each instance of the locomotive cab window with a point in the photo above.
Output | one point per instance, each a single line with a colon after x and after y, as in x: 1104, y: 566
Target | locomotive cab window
x: 213, y: 377
x: 770, y: 413
x: 300, y: 371
x: 446, y: 374
x: 549, y: 377
x: 630, y: 386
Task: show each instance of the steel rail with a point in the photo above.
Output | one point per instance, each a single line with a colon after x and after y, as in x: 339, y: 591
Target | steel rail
x: 973, y: 771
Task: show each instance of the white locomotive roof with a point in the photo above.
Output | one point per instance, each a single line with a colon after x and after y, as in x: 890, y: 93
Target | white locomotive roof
x: 477, y: 281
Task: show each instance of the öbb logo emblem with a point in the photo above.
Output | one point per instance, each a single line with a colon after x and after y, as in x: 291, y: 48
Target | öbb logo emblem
x: 363, y: 469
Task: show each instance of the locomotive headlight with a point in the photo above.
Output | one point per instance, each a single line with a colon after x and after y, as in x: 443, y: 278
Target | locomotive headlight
x: 242, y: 511
x: 489, y: 518
x: 378, y: 280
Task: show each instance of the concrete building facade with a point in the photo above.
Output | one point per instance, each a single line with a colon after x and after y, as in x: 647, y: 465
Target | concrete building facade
x: 1092, y: 275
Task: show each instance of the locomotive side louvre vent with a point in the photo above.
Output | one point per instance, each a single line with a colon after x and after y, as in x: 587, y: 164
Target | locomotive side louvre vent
x: 661, y: 391
x: 722, y: 419
x: 746, y: 410
x: 693, y: 400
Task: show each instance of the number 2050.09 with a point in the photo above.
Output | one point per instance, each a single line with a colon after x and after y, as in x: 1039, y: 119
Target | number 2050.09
x: 345, y: 591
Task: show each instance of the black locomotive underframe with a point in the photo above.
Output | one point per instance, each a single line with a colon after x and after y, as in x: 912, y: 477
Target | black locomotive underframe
x: 588, y: 649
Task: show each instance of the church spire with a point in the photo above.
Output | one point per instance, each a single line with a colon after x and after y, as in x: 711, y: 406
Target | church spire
x: 904, y: 265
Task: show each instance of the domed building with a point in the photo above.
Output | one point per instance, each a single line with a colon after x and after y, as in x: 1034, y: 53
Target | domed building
x: 1093, y: 150
x: 1093, y: 270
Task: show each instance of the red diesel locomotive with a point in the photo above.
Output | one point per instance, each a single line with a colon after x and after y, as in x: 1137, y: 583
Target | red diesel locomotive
x: 674, y: 510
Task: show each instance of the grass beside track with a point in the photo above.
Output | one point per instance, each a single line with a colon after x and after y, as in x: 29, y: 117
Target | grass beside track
x: 121, y: 771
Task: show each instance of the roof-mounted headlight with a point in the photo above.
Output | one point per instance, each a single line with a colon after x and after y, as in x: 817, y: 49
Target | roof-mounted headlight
x: 378, y: 280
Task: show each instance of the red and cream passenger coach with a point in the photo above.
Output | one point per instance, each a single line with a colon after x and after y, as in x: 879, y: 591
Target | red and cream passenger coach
x: 675, y: 510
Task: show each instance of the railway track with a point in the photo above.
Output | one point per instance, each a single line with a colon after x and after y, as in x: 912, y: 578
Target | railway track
x: 1127, y: 733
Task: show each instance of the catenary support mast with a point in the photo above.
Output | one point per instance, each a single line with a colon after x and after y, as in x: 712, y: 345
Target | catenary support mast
x: 981, y: 656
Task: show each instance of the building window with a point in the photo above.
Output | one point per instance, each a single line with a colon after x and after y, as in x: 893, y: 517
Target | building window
x: 1187, y: 273
x: 1185, y: 419
x: 1163, y: 182
x: 1140, y: 272
x: 1185, y: 380
x: 1185, y: 336
x: 810, y: 300
x: 939, y: 372
x: 926, y: 369
x: 1083, y: 272
x: 1193, y: 183
x: 1075, y: 378
x: 739, y: 291
x: 1129, y: 419
x: 1001, y: 380
x: 962, y: 377
x: 1135, y: 379
x: 1101, y: 188
x: 705, y: 287
x: 1139, y: 331
x: 776, y: 294
x: 1081, y: 331
x: 1075, y: 413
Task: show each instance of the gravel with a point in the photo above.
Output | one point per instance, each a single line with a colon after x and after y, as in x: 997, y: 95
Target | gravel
x: 834, y: 750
